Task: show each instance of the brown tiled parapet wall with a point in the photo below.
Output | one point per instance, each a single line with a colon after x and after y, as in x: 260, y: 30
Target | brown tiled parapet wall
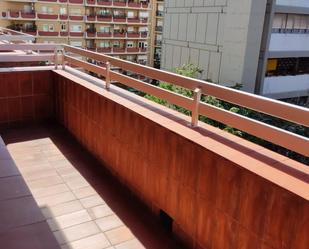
x: 215, y: 202
x: 25, y: 96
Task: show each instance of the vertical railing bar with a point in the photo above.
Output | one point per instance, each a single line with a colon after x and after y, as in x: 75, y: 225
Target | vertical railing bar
x: 108, y: 78
x: 56, y: 58
x: 196, y: 102
x: 63, y: 59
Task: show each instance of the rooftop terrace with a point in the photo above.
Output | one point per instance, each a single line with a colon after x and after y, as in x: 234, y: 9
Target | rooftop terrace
x: 95, y: 166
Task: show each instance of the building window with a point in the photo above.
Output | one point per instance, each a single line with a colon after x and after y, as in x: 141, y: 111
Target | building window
x: 116, y: 44
x: 142, y: 44
x: 130, y: 14
x: 75, y: 12
x: 76, y: 43
x: 76, y: 28
x: 130, y: 44
x: 143, y: 14
x: 63, y: 11
x: 104, y: 44
x: 104, y: 29
x: 48, y: 27
x: 63, y: 27
x: 44, y: 9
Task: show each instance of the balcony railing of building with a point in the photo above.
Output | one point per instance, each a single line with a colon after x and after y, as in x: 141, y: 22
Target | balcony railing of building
x: 106, y: 3
x: 264, y: 105
x: 118, y: 50
x: 124, y: 35
x: 21, y: 15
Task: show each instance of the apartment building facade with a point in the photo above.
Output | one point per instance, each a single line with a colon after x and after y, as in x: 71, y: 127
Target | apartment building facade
x: 263, y: 45
x: 116, y: 27
x: 156, y: 34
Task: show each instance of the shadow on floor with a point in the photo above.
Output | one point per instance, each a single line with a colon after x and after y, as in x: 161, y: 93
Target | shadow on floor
x: 142, y: 223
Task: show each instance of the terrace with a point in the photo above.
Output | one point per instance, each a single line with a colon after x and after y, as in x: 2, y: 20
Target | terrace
x: 95, y: 166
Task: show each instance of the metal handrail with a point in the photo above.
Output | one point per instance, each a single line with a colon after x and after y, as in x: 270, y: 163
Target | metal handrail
x: 271, y: 107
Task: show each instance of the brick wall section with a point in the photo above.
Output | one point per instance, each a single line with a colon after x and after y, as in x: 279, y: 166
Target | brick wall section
x: 25, y: 97
x: 214, y: 202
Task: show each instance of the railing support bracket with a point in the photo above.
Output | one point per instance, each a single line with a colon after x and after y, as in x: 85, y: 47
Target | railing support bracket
x: 196, y: 102
x: 108, y: 78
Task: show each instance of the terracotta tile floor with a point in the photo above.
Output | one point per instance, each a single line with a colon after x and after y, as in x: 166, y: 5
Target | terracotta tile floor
x: 84, y: 206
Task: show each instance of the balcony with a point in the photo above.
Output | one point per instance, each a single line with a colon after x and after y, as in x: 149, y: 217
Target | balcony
x: 133, y: 34
x: 104, y: 2
x: 120, y: 35
x: 107, y: 149
x: 76, y: 1
x: 104, y: 34
x: 119, y: 19
x: 47, y: 16
x: 76, y: 34
x: 28, y: 15
x: 91, y: 34
x: 119, y: 50
x: 76, y: 18
x: 14, y: 14
x: 63, y: 17
x: 104, y: 50
x: 119, y: 3
x: 48, y: 33
x: 133, y: 50
x: 104, y: 18
x: 64, y: 33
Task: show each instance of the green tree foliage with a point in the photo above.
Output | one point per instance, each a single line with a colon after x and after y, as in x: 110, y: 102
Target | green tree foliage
x: 193, y: 71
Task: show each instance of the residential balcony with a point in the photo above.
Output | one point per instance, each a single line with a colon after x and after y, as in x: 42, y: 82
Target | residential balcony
x: 76, y: 1
x: 64, y: 33
x: 48, y: 33
x: 103, y: 34
x: 28, y: 15
x: 63, y: 17
x: 104, y: 2
x: 47, y: 16
x: 105, y: 18
x: 131, y: 35
x: 76, y: 34
x: 117, y: 4
x: 133, y: 50
x: 117, y: 50
x: 84, y: 162
x: 104, y: 50
x: 76, y: 18
x: 89, y: 18
x: 119, y: 35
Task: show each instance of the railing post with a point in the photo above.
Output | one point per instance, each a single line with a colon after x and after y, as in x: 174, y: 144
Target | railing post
x: 108, y: 77
x: 56, y: 58
x: 196, y: 102
x: 63, y: 59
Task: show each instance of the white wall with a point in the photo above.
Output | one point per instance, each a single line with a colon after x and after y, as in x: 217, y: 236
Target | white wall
x: 295, y: 85
x: 298, y: 3
x: 289, y: 42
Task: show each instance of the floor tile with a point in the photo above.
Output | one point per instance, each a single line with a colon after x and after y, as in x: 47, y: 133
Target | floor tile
x: 76, y: 232
x: 109, y: 222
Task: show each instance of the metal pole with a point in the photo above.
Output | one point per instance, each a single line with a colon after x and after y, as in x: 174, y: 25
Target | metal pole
x: 107, y: 78
x: 63, y: 60
x: 56, y: 58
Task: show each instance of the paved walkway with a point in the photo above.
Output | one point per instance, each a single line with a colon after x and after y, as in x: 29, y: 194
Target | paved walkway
x: 83, y: 205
